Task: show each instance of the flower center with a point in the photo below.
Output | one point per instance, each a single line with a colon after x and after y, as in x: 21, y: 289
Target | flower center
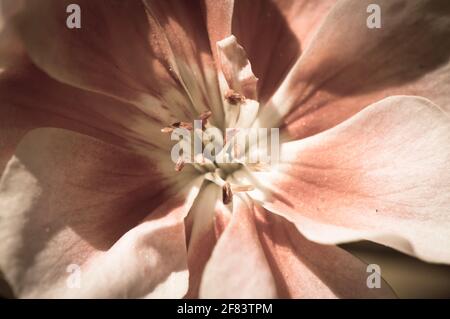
x: 214, y: 154
x: 217, y: 154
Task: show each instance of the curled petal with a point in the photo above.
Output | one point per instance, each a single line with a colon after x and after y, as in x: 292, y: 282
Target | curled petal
x: 238, y: 84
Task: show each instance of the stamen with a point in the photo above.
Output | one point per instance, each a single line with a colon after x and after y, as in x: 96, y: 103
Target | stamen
x: 242, y: 188
x: 236, y: 151
x: 204, y: 117
x: 167, y: 130
x: 185, y: 125
x: 234, y: 98
x: 205, y: 162
x: 259, y: 167
x: 227, y: 194
x: 230, y: 134
x: 215, y: 177
x: 200, y: 159
x: 228, y: 189
x: 179, y: 165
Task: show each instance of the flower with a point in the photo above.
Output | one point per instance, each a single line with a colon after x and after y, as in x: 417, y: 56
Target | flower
x: 87, y: 177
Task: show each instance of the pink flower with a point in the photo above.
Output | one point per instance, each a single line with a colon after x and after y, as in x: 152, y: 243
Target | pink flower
x: 87, y: 178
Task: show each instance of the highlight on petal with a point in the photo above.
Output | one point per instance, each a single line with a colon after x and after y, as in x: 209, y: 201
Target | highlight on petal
x: 203, y: 223
x: 69, y: 200
x: 383, y: 175
x: 239, y: 259
x: 348, y: 66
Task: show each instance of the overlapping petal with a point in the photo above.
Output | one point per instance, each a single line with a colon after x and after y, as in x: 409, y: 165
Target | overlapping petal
x: 383, y: 175
x: 262, y: 255
x: 67, y: 199
x: 205, y: 223
x: 303, y: 269
x: 151, y: 71
x: 273, y: 33
x: 348, y: 66
x: 239, y: 257
x: 31, y: 99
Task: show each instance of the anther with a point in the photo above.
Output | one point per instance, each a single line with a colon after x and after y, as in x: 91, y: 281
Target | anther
x: 242, y: 188
x: 204, y: 118
x: 227, y: 194
x: 205, y: 115
x: 185, y: 125
x: 234, y: 98
x: 179, y: 165
x: 167, y: 130
x: 258, y: 167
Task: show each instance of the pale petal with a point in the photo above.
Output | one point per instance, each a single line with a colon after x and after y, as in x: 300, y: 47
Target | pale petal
x: 238, y: 267
x: 68, y: 199
x: 383, y: 175
x: 203, y: 220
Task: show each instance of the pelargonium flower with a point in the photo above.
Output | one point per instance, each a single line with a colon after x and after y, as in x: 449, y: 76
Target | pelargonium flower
x: 88, y: 180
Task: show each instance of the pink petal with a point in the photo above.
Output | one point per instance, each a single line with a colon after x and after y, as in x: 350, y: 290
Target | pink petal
x: 304, y: 269
x: 348, y: 66
x: 218, y: 19
x: 382, y: 175
x: 262, y: 255
x: 274, y: 34
x: 127, y: 50
x: 238, y: 267
x: 31, y: 99
x: 69, y: 199
x: 184, y: 28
